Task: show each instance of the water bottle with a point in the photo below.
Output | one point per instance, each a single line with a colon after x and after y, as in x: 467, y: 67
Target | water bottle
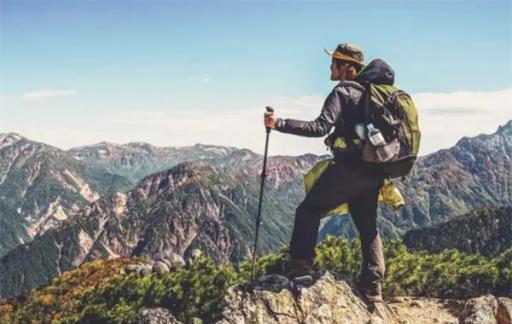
x: 375, y: 136
x: 377, y: 140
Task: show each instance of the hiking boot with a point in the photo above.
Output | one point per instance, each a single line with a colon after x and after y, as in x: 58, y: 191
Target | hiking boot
x: 371, y: 291
x: 299, y: 268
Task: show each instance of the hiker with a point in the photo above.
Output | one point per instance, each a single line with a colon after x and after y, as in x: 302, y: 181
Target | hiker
x: 348, y: 180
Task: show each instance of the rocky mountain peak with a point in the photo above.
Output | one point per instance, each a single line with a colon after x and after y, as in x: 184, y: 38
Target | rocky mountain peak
x: 99, y: 150
x: 17, y: 143
x: 174, y: 178
x: 9, y: 138
x: 505, y: 128
x: 145, y: 147
x: 490, y: 141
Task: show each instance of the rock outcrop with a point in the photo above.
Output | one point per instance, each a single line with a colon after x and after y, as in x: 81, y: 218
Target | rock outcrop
x: 275, y: 299
x: 487, y: 309
x: 334, y: 299
x: 157, y: 315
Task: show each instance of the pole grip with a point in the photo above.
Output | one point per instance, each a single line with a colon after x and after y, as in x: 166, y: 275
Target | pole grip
x: 269, y: 110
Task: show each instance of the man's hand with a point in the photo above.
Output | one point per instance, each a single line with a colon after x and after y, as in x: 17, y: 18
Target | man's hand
x: 270, y: 120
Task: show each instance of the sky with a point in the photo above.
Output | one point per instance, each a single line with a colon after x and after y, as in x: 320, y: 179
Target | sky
x: 176, y: 73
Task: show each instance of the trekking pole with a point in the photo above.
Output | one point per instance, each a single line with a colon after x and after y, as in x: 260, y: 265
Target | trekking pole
x: 263, y: 176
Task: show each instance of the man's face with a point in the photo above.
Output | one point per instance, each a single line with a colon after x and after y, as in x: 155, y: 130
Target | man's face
x: 336, y: 73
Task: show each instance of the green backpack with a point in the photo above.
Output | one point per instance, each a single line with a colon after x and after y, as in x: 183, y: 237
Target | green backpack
x: 393, y: 112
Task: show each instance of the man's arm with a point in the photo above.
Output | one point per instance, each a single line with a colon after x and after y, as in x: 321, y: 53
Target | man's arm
x: 321, y: 126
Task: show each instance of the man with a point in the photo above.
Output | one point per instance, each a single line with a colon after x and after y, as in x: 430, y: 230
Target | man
x: 348, y: 180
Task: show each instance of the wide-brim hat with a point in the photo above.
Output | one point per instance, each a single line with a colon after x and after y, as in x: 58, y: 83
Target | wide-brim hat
x: 348, y: 52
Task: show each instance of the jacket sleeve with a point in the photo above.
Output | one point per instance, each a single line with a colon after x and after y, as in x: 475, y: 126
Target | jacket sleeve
x: 321, y: 126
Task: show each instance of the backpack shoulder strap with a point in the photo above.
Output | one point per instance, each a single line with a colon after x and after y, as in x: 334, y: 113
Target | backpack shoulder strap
x: 367, y: 97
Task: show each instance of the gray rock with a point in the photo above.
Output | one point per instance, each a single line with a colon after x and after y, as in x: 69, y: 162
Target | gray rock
x: 274, y: 283
x: 160, y: 268
x: 130, y: 268
x: 133, y: 268
x: 397, y: 299
x: 480, y: 310
x: 175, y: 261
x: 146, y: 270
x: 196, y: 254
x: 157, y: 315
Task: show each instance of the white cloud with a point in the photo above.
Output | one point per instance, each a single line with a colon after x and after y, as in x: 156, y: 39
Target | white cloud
x: 47, y: 93
x: 446, y: 117
x: 298, y: 106
x: 479, y: 100
x: 241, y: 127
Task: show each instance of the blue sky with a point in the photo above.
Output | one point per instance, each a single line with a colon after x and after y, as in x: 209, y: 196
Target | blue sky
x: 178, y: 73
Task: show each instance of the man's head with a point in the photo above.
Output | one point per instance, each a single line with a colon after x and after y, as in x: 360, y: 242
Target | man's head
x: 347, y: 61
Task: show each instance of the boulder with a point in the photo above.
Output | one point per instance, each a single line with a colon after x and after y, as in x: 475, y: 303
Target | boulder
x: 480, y: 310
x: 274, y: 299
x: 146, y: 270
x: 157, y: 315
x: 196, y: 254
x: 159, y: 267
x: 174, y: 261
x: 132, y: 268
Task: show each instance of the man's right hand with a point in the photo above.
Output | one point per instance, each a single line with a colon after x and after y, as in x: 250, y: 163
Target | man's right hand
x: 270, y: 120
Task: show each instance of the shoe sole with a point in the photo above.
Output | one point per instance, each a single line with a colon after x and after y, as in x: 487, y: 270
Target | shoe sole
x: 303, y: 280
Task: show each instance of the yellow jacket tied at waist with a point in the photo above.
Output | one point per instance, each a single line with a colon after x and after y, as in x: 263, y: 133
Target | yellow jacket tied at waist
x: 389, y: 194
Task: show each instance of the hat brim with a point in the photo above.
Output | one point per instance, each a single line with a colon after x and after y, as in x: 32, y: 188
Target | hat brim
x: 343, y: 57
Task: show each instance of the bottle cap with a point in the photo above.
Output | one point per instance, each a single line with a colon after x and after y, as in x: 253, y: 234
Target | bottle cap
x: 369, y: 126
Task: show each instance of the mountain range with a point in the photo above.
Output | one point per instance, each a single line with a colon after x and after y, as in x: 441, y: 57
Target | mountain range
x: 41, y: 185
x: 139, y: 200
x: 190, y: 206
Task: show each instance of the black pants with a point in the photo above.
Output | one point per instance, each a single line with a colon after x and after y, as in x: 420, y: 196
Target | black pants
x: 356, y: 185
